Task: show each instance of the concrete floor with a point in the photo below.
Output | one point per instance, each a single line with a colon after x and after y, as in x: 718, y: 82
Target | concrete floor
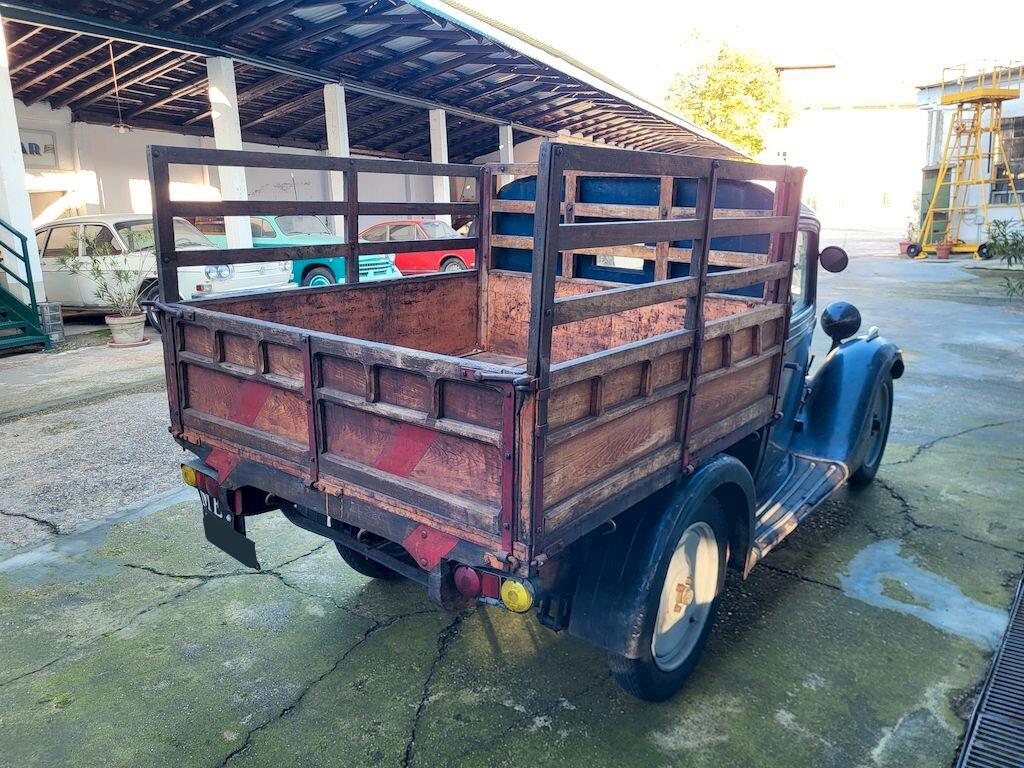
x: 126, y: 639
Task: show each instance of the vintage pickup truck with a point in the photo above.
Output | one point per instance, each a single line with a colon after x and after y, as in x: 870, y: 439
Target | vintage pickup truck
x: 630, y: 414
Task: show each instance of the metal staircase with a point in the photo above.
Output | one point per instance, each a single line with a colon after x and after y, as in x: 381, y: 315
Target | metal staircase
x: 19, y: 320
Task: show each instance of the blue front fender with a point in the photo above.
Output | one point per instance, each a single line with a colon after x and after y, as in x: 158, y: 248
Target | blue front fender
x: 834, y: 417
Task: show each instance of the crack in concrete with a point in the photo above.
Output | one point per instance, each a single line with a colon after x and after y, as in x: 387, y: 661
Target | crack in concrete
x: 373, y: 629
x: 443, y: 640
x: 200, y: 579
x: 907, y: 511
x: 932, y: 443
x: 84, y: 646
x: 800, y: 577
x: 49, y: 524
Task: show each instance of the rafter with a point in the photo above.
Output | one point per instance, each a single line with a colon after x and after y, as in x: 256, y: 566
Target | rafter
x: 59, y: 65
x: 40, y: 55
x: 149, y: 66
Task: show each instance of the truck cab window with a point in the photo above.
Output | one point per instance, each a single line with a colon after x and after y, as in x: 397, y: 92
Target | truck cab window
x: 798, y: 289
x: 99, y: 241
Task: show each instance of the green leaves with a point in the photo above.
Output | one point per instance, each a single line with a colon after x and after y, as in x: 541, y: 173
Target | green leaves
x: 1006, y: 242
x: 117, y: 279
x: 736, y: 95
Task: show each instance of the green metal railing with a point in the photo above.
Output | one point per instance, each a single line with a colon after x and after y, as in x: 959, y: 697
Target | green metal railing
x: 23, y: 257
x: 30, y: 315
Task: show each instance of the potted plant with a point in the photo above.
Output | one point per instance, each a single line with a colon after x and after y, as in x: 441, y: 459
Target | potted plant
x: 99, y: 265
x: 943, y: 249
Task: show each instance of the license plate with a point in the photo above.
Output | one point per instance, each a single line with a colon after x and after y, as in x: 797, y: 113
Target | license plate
x: 221, y: 532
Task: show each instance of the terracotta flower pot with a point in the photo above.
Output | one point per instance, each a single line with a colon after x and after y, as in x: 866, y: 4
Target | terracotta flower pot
x: 942, y: 251
x: 904, y: 245
x: 126, y: 331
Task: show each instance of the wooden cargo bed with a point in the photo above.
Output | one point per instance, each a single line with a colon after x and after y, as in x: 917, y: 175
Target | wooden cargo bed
x: 510, y: 411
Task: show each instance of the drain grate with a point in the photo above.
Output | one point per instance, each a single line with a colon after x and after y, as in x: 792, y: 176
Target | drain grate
x: 995, y: 736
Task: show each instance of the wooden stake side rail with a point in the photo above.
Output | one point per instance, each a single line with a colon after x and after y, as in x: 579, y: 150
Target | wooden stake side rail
x: 165, y: 209
x: 600, y: 394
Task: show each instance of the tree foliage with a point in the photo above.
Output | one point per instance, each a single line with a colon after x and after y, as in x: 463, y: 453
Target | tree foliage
x: 735, y: 94
x: 1006, y: 242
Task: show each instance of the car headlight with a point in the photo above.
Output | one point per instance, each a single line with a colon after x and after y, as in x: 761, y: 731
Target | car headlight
x: 219, y: 272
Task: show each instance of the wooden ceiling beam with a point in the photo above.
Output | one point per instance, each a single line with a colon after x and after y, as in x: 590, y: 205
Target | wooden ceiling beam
x: 44, y: 53
x: 63, y: 84
x: 57, y: 66
x: 151, y: 68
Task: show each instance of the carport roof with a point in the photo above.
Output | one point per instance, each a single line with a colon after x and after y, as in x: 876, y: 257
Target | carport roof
x: 397, y: 58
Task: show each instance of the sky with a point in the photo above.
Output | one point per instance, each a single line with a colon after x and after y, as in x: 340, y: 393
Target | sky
x: 881, y: 50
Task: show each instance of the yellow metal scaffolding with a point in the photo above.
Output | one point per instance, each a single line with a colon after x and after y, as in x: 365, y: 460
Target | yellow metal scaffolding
x: 972, y: 158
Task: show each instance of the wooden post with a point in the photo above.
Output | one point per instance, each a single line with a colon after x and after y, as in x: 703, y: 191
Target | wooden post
x: 665, y: 192
x: 571, y: 192
x: 352, y: 223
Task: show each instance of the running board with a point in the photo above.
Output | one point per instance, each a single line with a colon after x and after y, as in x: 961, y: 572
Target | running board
x: 810, y: 481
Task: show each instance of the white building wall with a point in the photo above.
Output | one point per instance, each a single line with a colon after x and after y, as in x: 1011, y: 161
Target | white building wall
x: 102, y: 171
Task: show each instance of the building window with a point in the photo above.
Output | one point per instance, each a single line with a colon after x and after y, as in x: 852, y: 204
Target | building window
x: 1011, y: 134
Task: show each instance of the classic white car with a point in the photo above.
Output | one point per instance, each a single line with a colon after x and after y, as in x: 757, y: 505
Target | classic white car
x: 129, y: 241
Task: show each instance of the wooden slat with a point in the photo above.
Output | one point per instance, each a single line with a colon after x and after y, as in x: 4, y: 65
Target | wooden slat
x: 718, y: 282
x: 733, y: 323
x: 185, y: 208
x: 415, y: 246
x: 571, y: 309
x: 410, y: 416
x: 591, y: 158
x: 247, y: 159
x: 626, y: 211
x: 598, y: 363
x: 416, y: 209
x: 592, y: 235
x: 755, y: 225
x: 754, y: 416
x: 680, y: 255
x: 255, y: 255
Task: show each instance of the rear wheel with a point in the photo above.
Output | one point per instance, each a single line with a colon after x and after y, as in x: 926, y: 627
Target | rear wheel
x: 685, y: 602
x: 880, y: 417
x: 913, y: 250
x: 318, y: 276
x: 364, y: 565
x: 453, y: 264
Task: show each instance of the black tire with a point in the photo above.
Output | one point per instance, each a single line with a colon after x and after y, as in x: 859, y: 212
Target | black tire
x: 453, y: 264
x: 880, y: 419
x: 984, y: 252
x: 643, y: 677
x: 364, y: 565
x: 319, y: 275
x: 913, y: 250
x: 152, y: 294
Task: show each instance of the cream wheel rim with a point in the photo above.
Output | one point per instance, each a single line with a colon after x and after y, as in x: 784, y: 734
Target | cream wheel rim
x: 691, y: 584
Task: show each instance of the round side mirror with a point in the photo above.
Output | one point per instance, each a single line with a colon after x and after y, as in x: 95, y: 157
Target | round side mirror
x: 840, y: 320
x: 833, y: 259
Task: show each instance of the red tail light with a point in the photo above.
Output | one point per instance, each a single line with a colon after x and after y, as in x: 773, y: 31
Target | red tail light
x: 467, y: 581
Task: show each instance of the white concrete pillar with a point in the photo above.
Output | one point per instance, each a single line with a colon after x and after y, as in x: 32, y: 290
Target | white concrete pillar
x: 505, y: 152
x: 15, y: 207
x: 439, y: 154
x: 227, y: 134
x: 337, y: 143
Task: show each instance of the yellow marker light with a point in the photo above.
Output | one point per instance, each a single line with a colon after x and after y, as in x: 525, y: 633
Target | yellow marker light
x: 188, y: 475
x: 517, y: 596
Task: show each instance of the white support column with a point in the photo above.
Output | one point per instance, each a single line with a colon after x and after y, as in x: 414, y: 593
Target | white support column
x: 337, y: 142
x: 15, y: 207
x: 439, y: 154
x: 505, y: 152
x: 227, y: 134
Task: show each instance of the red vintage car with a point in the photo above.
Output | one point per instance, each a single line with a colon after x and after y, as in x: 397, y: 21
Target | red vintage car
x: 450, y: 260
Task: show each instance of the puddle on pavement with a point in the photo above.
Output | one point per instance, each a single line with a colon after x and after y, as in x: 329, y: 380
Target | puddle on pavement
x: 880, y: 576
x: 70, y: 557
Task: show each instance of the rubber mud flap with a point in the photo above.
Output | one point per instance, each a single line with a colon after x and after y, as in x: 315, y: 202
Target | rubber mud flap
x: 222, y: 535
